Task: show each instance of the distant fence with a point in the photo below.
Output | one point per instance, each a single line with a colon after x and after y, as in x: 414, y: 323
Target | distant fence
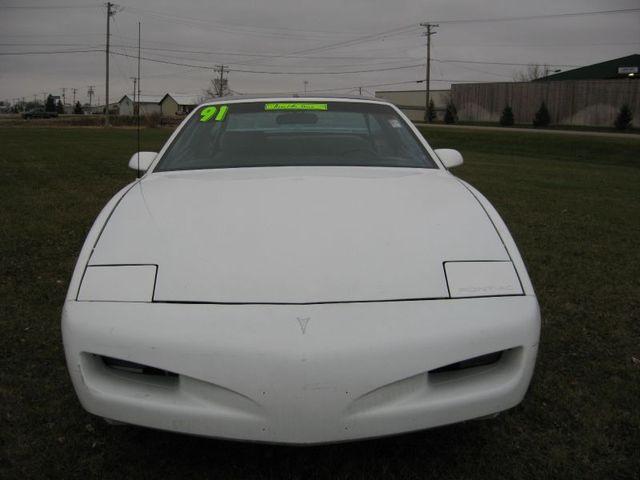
x: 570, y: 102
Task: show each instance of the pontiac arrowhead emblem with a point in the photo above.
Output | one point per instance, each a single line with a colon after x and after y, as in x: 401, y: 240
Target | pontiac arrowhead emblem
x: 303, y: 322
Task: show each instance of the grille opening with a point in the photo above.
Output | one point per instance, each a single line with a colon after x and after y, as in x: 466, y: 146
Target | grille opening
x: 132, y: 367
x: 481, y: 361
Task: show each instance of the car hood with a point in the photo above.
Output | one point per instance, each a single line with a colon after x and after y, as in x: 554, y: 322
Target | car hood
x: 298, y: 235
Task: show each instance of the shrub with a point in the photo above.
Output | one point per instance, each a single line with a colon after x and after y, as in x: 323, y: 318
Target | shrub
x: 542, y: 117
x: 152, y: 120
x: 431, y: 112
x: 451, y: 113
x: 624, y: 118
x: 506, y: 119
x: 50, y: 105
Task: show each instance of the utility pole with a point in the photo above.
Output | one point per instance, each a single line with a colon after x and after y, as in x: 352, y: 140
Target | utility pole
x: 90, y: 92
x: 430, y: 31
x: 360, y: 91
x: 111, y: 11
x: 306, y: 84
x: 74, y: 96
x: 221, y: 81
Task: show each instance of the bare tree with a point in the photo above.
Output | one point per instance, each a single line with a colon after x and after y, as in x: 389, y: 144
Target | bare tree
x: 217, y: 88
x: 532, y: 72
x: 219, y: 85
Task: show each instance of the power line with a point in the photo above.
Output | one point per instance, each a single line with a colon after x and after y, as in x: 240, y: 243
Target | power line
x: 249, y: 54
x: 236, y: 29
x: 478, y: 70
x: 227, y: 25
x: 264, y: 72
x: 406, y: 82
x: 357, y: 87
x: 115, y: 25
x: 406, y: 29
x: 541, y: 45
x: 540, y: 17
x: 529, y: 17
x: 439, y: 60
x: 22, y: 35
x: 4, y: 44
x: 388, y: 84
x: 49, y: 52
x: 265, y: 55
x: 365, y: 63
x: 356, y: 41
x: 46, y: 7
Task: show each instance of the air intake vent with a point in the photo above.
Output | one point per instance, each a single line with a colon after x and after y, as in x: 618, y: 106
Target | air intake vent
x: 480, y: 361
x: 131, y: 367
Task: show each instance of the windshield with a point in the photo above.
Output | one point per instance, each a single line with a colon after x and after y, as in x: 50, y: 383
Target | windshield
x: 261, y: 134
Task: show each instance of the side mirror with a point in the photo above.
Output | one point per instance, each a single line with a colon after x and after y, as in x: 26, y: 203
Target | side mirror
x: 141, y: 161
x: 450, y: 158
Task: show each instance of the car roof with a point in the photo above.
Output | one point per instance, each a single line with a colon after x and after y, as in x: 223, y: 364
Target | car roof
x: 294, y: 98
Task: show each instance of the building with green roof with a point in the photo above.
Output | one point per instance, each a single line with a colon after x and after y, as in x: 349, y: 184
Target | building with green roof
x: 618, y: 68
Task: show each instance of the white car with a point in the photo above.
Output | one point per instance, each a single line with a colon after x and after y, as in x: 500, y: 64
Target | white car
x: 299, y: 270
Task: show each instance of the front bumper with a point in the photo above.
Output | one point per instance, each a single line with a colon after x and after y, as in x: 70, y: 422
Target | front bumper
x: 301, y: 373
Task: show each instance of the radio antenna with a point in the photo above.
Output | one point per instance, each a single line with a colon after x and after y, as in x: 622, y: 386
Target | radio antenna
x: 138, y: 111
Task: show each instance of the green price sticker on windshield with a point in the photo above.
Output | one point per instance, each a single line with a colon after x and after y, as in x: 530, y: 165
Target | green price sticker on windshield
x: 209, y: 113
x: 295, y: 106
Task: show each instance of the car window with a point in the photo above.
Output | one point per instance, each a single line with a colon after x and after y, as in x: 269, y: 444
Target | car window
x: 260, y: 134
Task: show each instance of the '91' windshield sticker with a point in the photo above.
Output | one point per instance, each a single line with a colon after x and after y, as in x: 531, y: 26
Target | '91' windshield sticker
x: 210, y: 112
x: 295, y: 106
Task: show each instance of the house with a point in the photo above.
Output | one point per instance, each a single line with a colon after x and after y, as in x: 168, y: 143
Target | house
x: 178, y: 104
x: 149, y: 104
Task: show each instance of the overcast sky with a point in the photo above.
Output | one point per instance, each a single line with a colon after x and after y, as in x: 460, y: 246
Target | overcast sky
x: 314, y: 36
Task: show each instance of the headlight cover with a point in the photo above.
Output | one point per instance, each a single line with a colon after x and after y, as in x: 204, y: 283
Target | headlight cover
x: 118, y: 283
x: 482, y: 279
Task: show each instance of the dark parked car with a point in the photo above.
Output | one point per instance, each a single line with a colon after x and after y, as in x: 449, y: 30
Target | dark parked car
x: 39, y: 113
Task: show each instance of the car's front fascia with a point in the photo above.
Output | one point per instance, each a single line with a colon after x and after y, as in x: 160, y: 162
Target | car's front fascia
x: 300, y: 372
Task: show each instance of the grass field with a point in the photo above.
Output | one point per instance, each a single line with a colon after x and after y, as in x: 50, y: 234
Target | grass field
x: 573, y: 206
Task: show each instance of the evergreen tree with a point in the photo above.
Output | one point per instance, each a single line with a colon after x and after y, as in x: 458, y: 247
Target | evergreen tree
x: 77, y: 109
x: 506, y: 119
x: 50, y: 106
x: 59, y: 107
x: 451, y: 113
x: 431, y: 111
x: 624, y: 118
x: 542, y: 117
